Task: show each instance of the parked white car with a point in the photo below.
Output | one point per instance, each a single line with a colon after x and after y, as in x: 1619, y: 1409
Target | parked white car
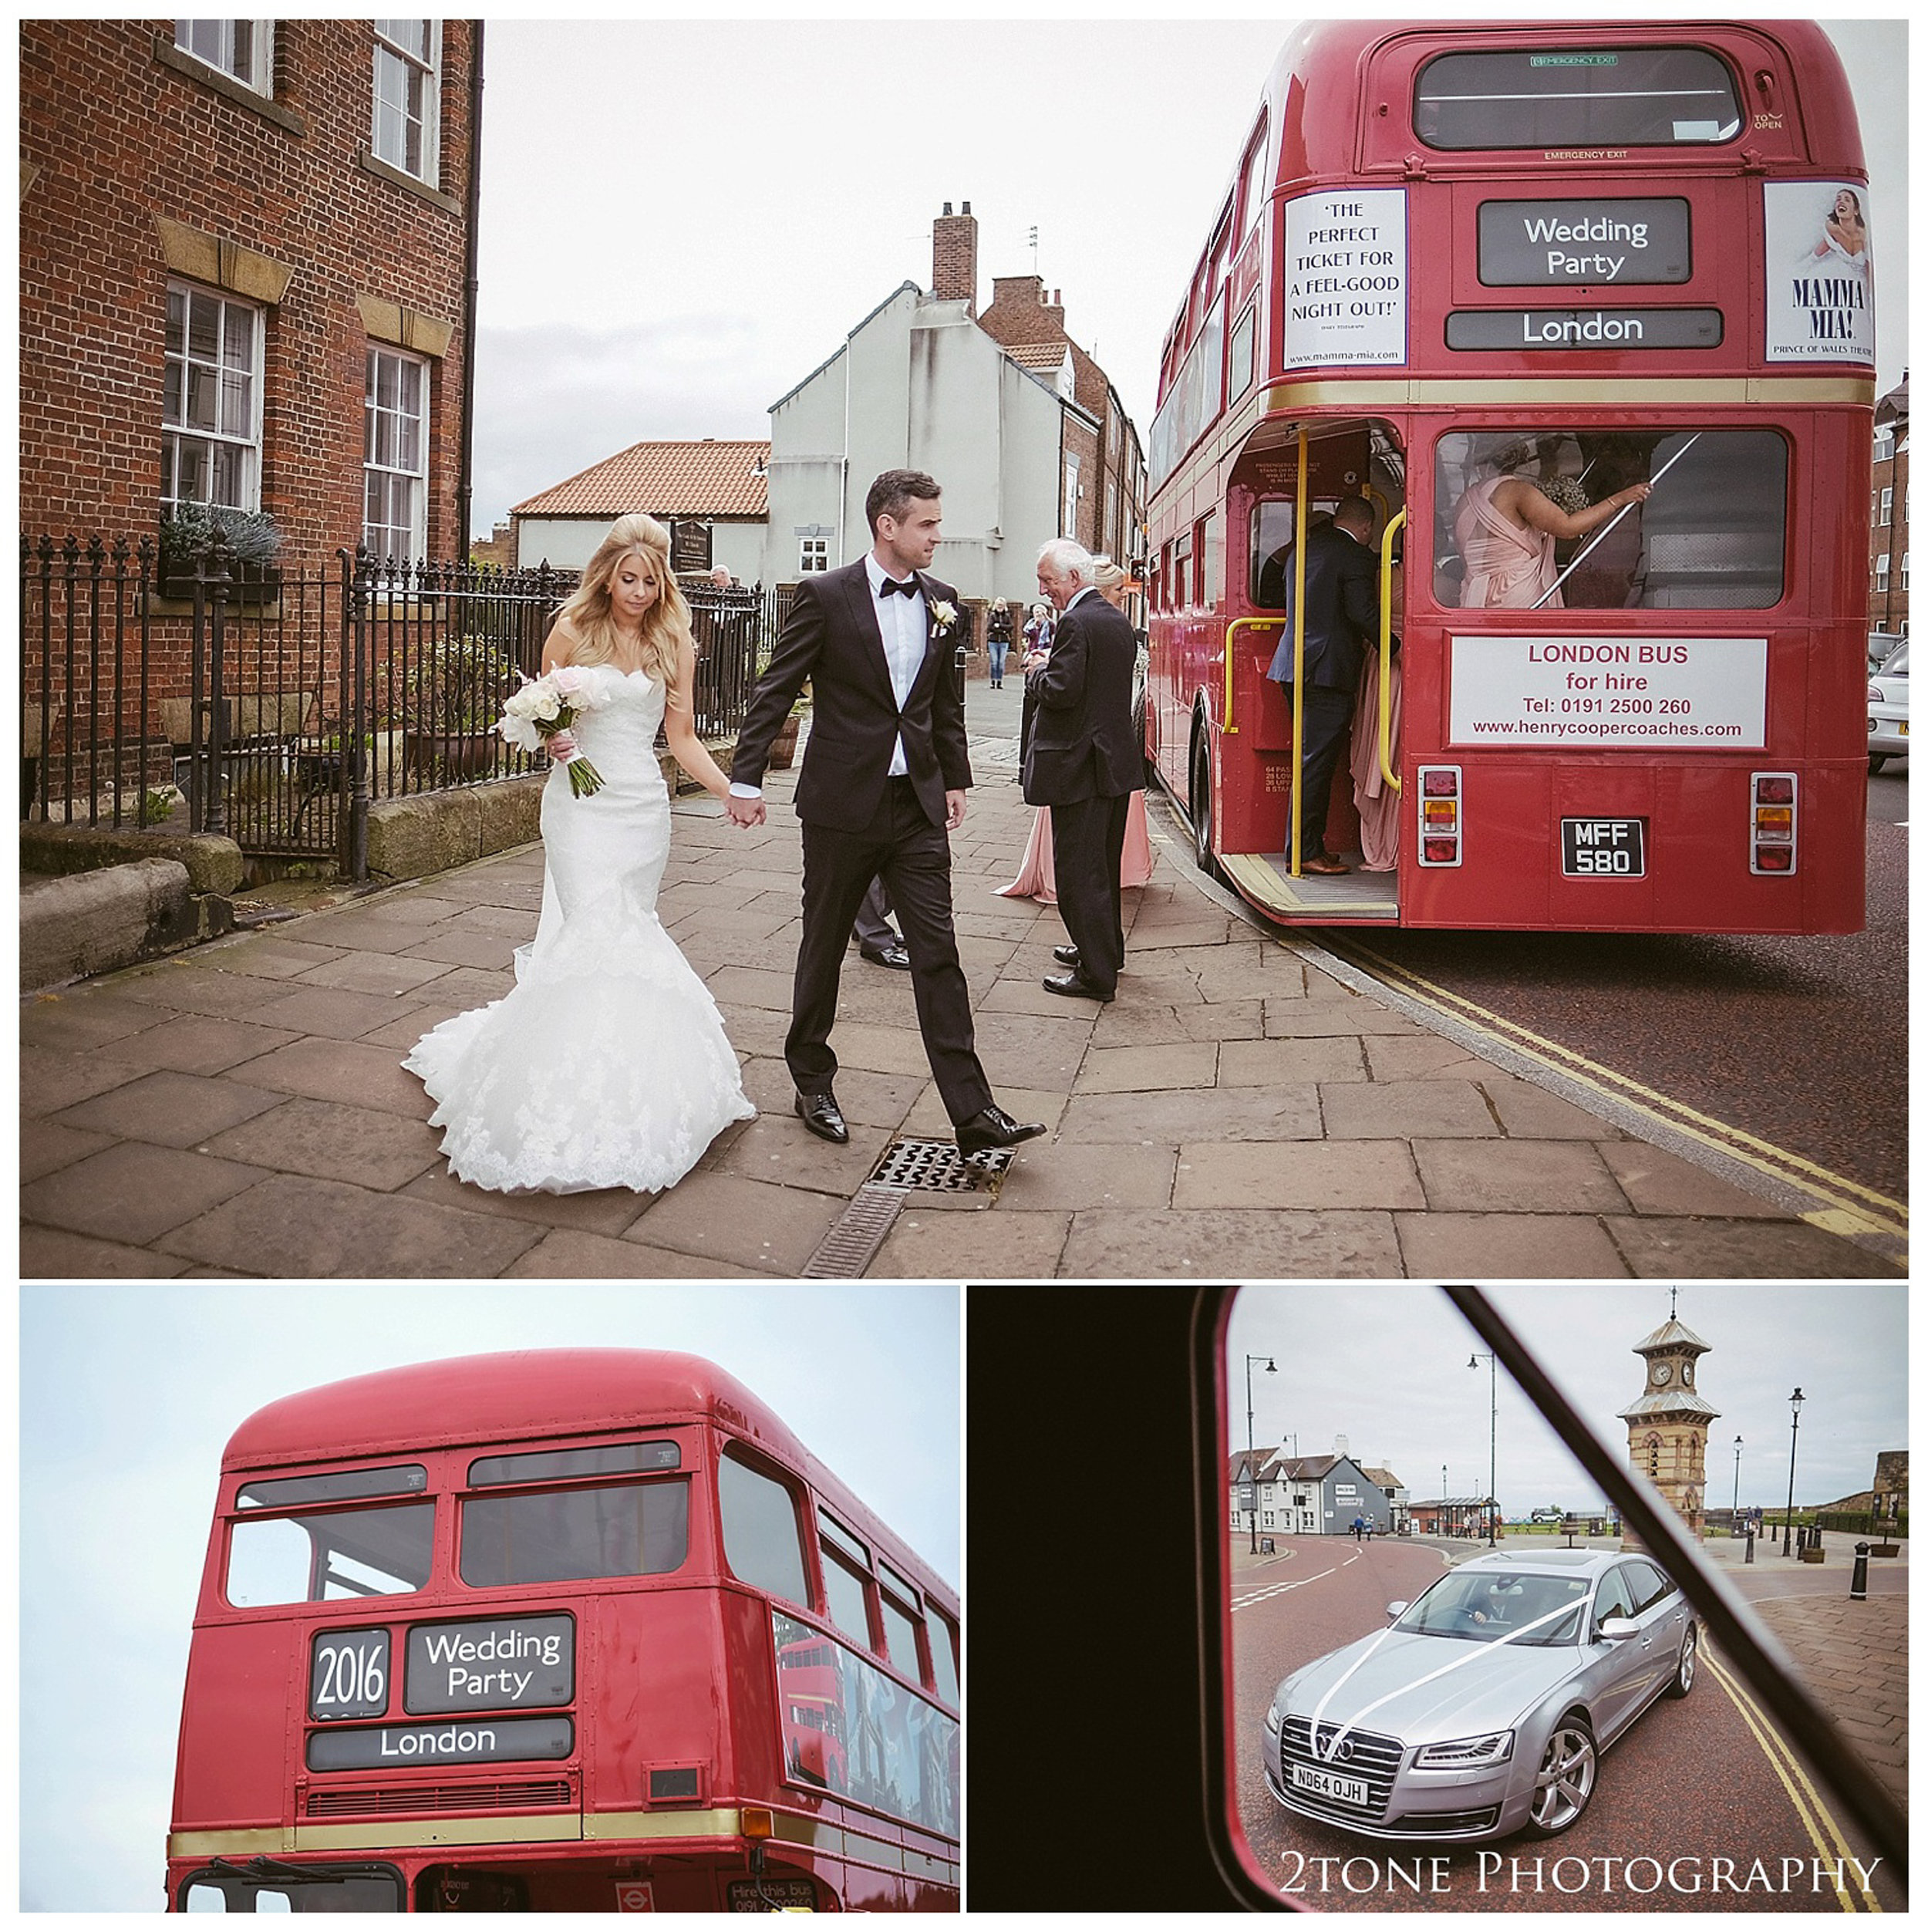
x: 1888, y: 709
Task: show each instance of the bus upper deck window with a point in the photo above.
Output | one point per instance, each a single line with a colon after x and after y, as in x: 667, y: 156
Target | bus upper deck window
x: 763, y: 1542
x: 327, y: 1557
x: 616, y: 1529
x: 1577, y: 97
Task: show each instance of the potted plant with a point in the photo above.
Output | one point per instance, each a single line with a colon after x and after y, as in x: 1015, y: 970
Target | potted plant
x: 451, y: 701
x: 247, y: 540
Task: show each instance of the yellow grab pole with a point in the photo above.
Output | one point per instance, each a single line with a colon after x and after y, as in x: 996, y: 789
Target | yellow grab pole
x: 1298, y: 655
x: 1232, y: 629
x: 1386, y: 653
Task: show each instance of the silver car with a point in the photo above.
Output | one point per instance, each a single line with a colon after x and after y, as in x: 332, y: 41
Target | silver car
x: 1483, y: 1709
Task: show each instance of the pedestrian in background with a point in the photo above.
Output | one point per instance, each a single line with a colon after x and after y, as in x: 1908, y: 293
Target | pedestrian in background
x: 997, y: 640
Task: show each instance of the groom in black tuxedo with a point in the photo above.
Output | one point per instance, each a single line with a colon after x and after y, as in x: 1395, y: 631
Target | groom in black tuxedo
x: 882, y: 787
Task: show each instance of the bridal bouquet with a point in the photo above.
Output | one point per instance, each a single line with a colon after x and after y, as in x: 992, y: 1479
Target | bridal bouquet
x: 551, y: 703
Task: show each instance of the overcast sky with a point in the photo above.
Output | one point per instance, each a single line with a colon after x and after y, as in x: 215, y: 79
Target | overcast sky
x: 1386, y: 1368
x: 682, y: 219
x: 128, y: 1395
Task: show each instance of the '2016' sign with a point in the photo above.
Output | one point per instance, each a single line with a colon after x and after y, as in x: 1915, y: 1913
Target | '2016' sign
x: 348, y: 1675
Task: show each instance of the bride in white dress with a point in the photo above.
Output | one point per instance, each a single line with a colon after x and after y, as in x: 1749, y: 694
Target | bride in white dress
x: 606, y: 1065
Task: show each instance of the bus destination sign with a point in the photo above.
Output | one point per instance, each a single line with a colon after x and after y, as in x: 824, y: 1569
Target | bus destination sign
x: 1584, y: 329
x: 478, y: 1742
x: 1554, y: 243
x: 502, y: 1664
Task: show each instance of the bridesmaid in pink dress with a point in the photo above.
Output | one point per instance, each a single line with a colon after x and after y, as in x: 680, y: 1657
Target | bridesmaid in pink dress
x: 1507, y: 527
x: 1035, y: 878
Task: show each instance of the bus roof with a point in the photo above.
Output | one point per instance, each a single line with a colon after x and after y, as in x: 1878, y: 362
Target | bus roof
x: 528, y: 1394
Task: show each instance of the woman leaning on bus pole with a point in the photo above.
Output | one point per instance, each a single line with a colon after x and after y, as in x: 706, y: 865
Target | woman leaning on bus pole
x: 1507, y: 526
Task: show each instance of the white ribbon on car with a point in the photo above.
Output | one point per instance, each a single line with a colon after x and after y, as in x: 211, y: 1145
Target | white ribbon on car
x: 1482, y: 1649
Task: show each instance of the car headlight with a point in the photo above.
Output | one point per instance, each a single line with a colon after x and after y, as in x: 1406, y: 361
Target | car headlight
x: 1466, y: 1754
x: 1271, y: 1718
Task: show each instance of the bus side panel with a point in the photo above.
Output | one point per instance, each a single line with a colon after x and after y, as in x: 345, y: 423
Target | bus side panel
x: 656, y: 1665
x: 236, y: 1730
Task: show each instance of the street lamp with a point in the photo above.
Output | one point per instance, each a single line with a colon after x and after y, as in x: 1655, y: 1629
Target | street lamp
x: 1492, y: 1448
x: 1793, y: 1442
x: 1737, y: 1482
x: 1445, y: 1514
x: 1251, y: 1475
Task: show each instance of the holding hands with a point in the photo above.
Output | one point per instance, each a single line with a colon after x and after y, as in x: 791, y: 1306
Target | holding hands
x: 745, y: 811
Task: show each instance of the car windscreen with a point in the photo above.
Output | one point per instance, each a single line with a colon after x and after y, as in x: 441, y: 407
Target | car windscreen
x: 1485, y: 1608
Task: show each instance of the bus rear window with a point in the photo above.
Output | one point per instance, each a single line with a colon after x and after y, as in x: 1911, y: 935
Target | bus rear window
x: 325, y: 1558
x: 622, y: 1529
x: 559, y: 1465
x: 1522, y: 521
x: 1577, y: 97
x: 336, y: 1485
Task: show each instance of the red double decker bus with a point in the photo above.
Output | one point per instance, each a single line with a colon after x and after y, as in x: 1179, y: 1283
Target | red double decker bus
x: 567, y: 1631
x: 1583, y: 314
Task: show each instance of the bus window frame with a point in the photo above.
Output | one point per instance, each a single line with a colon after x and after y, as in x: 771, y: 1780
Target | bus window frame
x: 1570, y: 44
x: 233, y: 1519
x: 1423, y: 584
x: 625, y: 1479
x: 803, y: 1503
x: 209, y: 1874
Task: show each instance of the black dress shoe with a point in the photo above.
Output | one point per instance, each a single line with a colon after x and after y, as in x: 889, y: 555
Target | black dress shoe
x: 819, y: 1112
x: 896, y: 954
x: 993, y: 1128
x: 1065, y: 955
x: 1074, y: 985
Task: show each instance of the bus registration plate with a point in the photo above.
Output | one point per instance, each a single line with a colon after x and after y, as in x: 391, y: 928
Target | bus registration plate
x: 1603, y: 848
x: 1328, y: 1784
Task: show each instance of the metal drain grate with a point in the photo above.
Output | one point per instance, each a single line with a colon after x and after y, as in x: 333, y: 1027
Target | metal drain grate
x: 846, y: 1250
x: 937, y: 1167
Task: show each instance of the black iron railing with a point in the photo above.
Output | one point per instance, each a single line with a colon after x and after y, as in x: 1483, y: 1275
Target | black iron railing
x: 277, y: 708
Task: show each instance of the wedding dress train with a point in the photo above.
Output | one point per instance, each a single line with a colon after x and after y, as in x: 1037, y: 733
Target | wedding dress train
x: 606, y: 1065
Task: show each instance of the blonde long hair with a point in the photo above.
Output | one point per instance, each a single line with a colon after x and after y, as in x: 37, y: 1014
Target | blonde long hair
x: 665, y: 624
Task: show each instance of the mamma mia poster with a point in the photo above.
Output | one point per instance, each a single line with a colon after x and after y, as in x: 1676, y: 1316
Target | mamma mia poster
x: 1820, y: 304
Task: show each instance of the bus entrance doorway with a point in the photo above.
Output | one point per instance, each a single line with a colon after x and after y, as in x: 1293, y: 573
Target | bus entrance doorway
x: 1309, y: 806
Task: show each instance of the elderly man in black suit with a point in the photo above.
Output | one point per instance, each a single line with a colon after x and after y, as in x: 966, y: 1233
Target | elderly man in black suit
x: 1083, y: 762
x: 1342, y: 618
x: 882, y: 788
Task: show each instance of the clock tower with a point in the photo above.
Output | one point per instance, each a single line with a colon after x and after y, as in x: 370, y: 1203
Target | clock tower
x: 1667, y: 1429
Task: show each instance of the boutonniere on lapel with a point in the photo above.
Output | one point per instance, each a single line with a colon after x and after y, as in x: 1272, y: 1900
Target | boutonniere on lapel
x: 943, y: 617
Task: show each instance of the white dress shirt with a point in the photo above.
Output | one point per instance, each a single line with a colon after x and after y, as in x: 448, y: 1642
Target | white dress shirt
x: 902, y: 623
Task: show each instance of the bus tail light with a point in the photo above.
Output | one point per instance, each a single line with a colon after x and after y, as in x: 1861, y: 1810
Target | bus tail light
x: 1772, y: 846
x: 1439, y: 815
x: 758, y: 1822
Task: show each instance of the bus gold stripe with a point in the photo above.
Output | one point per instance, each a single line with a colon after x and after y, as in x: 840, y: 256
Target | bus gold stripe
x: 1581, y: 391
x: 235, y: 1844
x: 547, y: 1828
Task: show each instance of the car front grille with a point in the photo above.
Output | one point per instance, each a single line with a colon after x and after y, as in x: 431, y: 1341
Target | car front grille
x: 1367, y: 1755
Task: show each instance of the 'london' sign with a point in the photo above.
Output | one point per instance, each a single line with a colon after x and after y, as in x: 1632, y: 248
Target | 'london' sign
x: 1584, y: 329
x: 471, y: 1741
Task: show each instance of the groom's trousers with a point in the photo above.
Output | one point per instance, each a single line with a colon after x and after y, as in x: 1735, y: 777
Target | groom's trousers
x: 912, y: 857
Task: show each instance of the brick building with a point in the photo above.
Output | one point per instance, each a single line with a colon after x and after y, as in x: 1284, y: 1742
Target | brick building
x: 244, y: 254
x: 1104, y: 506
x: 1666, y: 1426
x: 1888, y: 521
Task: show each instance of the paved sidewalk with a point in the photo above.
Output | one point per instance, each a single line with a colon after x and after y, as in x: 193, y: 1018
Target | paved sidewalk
x: 1236, y: 1113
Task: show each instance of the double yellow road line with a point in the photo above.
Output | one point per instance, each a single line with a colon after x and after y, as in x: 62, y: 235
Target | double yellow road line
x: 1823, y: 1830
x: 1841, y: 1206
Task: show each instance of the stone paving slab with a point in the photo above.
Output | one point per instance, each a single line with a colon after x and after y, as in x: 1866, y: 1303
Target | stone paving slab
x: 1236, y: 1113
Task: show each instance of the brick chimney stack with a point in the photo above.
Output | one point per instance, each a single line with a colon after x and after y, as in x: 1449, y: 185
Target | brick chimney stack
x: 1054, y: 311
x: 953, y: 257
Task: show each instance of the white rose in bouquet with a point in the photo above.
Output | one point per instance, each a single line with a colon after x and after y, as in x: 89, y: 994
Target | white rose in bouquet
x: 549, y: 704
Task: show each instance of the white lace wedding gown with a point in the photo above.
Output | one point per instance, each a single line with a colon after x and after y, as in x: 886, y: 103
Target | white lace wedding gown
x: 606, y: 1065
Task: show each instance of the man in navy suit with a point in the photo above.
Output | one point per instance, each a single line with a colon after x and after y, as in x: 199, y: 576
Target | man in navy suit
x: 882, y: 787
x: 1342, y: 618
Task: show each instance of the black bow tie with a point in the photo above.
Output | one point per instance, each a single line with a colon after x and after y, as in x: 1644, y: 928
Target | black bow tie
x: 891, y: 587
